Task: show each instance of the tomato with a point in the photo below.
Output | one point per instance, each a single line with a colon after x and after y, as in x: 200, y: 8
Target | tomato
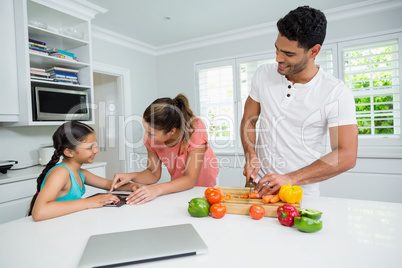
x: 217, y: 210
x: 209, y: 190
x: 257, y: 212
x: 220, y: 190
x: 214, y: 197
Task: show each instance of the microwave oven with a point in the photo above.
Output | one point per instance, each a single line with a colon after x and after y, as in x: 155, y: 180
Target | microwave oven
x: 55, y: 104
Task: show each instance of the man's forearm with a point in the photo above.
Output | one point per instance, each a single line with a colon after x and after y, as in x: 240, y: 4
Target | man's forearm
x: 330, y: 165
x: 248, y: 138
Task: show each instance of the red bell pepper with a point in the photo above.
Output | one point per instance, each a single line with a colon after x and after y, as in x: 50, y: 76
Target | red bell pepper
x: 286, y: 213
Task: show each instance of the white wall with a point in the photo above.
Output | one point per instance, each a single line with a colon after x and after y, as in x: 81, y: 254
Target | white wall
x: 142, y: 75
x: 22, y: 143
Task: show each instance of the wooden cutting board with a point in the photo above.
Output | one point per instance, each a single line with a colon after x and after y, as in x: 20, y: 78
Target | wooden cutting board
x: 241, y: 206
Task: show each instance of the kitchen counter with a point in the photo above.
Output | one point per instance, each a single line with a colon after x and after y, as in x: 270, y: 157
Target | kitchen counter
x: 355, y: 233
x: 14, y: 175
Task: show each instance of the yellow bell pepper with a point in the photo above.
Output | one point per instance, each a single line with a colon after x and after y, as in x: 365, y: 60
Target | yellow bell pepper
x: 291, y: 194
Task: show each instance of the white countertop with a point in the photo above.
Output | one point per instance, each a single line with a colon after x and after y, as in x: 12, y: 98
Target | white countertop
x: 33, y: 172
x: 355, y: 233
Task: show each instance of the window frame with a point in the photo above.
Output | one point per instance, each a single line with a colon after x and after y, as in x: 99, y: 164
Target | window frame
x: 238, y: 62
x: 374, y: 140
x: 214, y: 64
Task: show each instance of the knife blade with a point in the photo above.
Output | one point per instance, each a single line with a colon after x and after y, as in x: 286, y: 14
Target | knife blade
x: 249, y: 192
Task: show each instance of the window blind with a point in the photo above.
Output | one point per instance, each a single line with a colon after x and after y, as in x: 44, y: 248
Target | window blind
x: 371, y: 71
x: 247, y: 70
x: 216, y: 101
x: 325, y: 60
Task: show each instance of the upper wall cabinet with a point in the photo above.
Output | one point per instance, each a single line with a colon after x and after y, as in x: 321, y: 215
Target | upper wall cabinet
x: 8, y: 74
x: 53, y: 41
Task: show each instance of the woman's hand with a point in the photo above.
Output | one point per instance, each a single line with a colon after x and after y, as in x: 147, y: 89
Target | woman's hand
x: 142, y: 194
x: 120, y: 179
x: 100, y: 200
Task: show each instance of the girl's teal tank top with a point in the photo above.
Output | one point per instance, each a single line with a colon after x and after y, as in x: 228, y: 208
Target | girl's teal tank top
x: 75, y: 192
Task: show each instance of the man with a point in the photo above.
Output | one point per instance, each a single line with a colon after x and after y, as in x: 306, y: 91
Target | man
x: 296, y: 102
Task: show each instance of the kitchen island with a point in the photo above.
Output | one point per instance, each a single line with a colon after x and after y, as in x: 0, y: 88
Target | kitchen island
x: 355, y: 233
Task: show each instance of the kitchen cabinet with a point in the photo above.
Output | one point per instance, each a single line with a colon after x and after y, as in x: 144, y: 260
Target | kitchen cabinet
x: 53, y: 25
x: 8, y: 75
x: 18, y: 186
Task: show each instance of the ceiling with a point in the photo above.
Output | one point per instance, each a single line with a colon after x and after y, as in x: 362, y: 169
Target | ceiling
x: 164, y: 22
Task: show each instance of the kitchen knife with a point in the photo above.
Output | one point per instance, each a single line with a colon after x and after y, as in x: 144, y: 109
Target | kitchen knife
x: 249, y: 192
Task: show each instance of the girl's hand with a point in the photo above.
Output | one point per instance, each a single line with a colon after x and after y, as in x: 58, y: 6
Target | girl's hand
x: 100, y: 200
x: 120, y: 179
x: 142, y: 194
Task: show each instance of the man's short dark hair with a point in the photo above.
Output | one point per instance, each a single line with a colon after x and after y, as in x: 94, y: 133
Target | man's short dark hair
x: 305, y: 25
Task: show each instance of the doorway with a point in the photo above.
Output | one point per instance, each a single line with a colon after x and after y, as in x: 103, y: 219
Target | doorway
x: 111, y: 95
x: 108, y: 108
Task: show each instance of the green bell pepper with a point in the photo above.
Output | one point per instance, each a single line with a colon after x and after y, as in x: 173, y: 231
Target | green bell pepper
x: 198, y: 207
x: 310, y: 213
x: 307, y: 225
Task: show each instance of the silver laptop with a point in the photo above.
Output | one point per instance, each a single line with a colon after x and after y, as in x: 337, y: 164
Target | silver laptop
x: 139, y: 246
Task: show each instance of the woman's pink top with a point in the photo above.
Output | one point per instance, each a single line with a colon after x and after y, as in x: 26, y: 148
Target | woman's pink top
x: 176, y: 161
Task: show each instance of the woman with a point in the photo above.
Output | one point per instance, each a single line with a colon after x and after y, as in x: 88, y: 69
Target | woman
x: 177, y: 138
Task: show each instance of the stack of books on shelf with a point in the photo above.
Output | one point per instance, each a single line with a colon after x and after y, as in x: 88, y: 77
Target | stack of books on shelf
x: 63, y: 75
x: 38, y: 47
x: 61, y: 54
x: 40, y: 74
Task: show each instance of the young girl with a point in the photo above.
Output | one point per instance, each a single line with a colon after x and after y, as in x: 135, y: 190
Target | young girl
x: 61, y: 186
x: 177, y: 138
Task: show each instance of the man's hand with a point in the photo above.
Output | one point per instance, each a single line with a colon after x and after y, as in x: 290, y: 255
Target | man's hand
x: 251, y: 168
x: 271, y: 184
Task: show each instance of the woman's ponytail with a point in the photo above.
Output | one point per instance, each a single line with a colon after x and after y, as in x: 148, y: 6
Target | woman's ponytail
x: 187, y: 116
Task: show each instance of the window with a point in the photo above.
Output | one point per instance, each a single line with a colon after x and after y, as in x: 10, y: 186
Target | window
x: 371, y: 71
x: 369, y: 67
x: 223, y: 89
x: 325, y: 59
x: 216, y: 91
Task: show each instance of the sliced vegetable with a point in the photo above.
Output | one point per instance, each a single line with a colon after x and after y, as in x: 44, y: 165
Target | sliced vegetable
x: 310, y: 213
x: 254, y: 195
x: 266, y: 199
x: 275, y: 199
